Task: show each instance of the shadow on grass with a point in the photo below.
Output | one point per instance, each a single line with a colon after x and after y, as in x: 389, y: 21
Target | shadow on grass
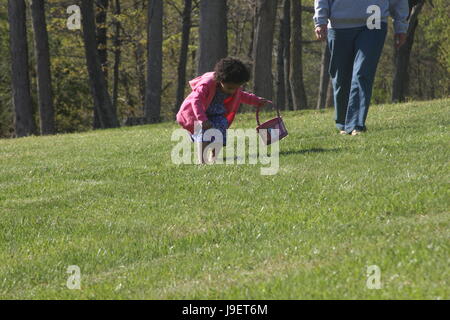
x: 306, y: 151
x: 232, y: 160
x: 313, y: 150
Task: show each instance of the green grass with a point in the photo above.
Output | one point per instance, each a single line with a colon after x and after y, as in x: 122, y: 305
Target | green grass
x: 139, y: 226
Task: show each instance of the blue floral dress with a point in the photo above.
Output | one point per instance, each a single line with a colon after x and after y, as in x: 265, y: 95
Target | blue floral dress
x: 216, y: 114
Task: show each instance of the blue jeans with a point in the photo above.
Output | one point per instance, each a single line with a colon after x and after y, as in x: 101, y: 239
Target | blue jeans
x: 355, y: 53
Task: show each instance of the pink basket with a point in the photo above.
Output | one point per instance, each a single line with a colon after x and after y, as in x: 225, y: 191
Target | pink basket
x: 275, y: 123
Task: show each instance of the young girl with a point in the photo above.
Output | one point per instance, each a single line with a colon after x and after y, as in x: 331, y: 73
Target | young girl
x: 215, y: 100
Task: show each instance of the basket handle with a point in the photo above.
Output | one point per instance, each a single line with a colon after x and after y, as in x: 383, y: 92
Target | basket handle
x: 257, y: 112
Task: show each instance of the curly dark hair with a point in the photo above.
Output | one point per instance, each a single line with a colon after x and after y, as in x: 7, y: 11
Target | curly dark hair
x: 231, y: 70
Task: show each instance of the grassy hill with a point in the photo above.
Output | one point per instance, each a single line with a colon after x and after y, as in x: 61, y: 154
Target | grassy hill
x: 139, y: 226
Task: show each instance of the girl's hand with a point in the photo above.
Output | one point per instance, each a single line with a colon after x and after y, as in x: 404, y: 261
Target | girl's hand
x: 206, y: 125
x: 263, y: 102
x: 400, y: 39
x: 321, y: 32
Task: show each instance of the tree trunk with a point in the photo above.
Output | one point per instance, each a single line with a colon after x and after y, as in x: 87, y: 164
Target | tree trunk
x: 402, y: 56
x: 299, y: 99
x: 140, y: 71
x: 281, y: 91
x: 139, y: 64
x: 102, y: 100
x: 330, y: 95
x: 263, y: 47
x: 23, y: 117
x: 152, y: 111
x: 252, y: 36
x: 287, y: 53
x: 117, y: 54
x: 213, y: 34
x: 44, y: 81
x: 100, y: 19
x: 324, y: 77
x: 193, y: 63
x: 129, y: 97
x: 186, y: 29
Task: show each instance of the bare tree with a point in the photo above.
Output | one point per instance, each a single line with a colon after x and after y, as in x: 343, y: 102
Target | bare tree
x: 186, y: 30
x: 44, y: 79
x: 139, y: 56
x: 280, y: 98
x: 403, y: 54
x: 213, y: 34
x: 139, y: 51
x: 287, y: 53
x: 299, y: 99
x: 152, y: 108
x: 329, y: 102
x: 283, y: 87
x: 263, y: 46
x: 102, y: 29
x: 117, y: 43
x: 23, y: 115
x: 324, y: 77
x: 100, y: 19
x: 252, y: 33
x: 102, y: 100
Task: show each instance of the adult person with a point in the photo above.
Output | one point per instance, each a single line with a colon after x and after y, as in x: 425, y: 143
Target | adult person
x: 356, y: 42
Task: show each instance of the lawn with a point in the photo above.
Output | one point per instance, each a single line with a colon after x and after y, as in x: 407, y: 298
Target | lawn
x: 141, y: 227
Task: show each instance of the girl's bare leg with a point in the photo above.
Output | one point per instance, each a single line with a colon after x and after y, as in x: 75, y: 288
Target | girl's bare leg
x: 211, y: 155
x: 201, y: 146
x: 215, y: 152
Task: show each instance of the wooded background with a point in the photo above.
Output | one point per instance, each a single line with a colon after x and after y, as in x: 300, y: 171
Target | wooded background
x: 130, y: 61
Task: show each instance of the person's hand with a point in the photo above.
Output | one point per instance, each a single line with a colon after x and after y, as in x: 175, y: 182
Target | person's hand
x: 321, y: 32
x: 399, y: 40
x: 263, y: 102
x: 206, y: 125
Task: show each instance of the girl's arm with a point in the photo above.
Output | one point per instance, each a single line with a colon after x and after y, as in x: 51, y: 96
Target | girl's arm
x: 199, y: 97
x: 252, y: 99
x: 321, y: 12
x: 399, y: 10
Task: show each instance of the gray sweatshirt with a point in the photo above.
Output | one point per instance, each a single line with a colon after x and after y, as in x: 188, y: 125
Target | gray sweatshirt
x: 353, y: 13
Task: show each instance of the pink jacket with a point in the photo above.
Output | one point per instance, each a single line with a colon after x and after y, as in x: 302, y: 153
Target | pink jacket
x: 203, y: 90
